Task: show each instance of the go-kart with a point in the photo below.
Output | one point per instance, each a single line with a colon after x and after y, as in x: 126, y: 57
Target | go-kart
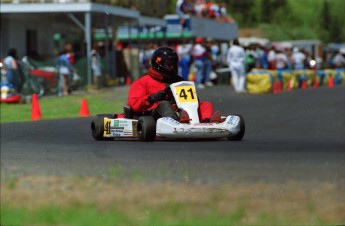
x: 8, y: 94
x: 145, y: 128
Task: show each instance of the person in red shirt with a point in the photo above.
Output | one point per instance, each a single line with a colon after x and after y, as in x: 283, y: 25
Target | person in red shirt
x: 149, y: 95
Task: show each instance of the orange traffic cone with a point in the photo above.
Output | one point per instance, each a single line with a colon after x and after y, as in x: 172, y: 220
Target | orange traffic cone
x: 289, y: 85
x: 304, y: 84
x: 84, y: 109
x: 315, y: 83
x: 330, y: 82
x: 35, y: 108
x: 276, y: 87
x: 280, y: 86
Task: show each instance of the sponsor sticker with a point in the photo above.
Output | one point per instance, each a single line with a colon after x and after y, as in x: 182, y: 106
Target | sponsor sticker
x: 171, y: 121
x: 123, y: 123
x: 233, y: 120
x: 116, y: 134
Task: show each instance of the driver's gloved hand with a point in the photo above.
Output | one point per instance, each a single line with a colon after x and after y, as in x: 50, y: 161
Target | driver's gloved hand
x: 169, y: 94
x: 159, y: 96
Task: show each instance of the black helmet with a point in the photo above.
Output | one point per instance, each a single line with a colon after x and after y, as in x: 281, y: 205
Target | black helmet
x: 165, y: 61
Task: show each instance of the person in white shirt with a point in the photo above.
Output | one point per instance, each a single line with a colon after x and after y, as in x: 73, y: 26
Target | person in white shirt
x: 339, y: 60
x: 236, y: 60
x: 281, y: 60
x: 184, y: 53
x: 297, y: 59
x: 271, y: 59
x: 202, y: 64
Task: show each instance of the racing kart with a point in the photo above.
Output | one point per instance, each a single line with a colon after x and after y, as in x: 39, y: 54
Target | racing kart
x: 146, y: 128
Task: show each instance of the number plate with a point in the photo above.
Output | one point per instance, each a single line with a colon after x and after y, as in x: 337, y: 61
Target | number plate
x: 186, y: 94
x: 107, y: 127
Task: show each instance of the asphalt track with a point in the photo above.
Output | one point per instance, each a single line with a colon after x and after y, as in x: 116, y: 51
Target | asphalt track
x: 290, y: 136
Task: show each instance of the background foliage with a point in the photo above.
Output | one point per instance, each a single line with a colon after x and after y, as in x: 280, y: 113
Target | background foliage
x: 277, y: 19
x: 292, y: 19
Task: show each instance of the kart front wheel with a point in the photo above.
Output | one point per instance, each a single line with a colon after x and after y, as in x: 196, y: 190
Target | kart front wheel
x: 147, y: 128
x: 240, y: 134
x: 97, y: 126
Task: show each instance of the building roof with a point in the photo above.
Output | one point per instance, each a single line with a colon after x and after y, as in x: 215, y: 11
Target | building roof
x: 68, y: 8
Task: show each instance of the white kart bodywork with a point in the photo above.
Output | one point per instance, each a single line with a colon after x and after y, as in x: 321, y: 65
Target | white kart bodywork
x: 186, y: 99
x: 168, y: 127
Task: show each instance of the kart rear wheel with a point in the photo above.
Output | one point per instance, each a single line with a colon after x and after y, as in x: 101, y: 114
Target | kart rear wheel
x: 147, y: 128
x: 240, y: 134
x: 97, y: 126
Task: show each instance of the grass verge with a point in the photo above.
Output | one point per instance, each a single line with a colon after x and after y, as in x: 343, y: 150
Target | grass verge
x: 33, y: 200
x: 52, y: 107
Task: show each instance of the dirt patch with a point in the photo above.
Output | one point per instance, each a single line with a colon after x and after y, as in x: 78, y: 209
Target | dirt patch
x: 293, y: 202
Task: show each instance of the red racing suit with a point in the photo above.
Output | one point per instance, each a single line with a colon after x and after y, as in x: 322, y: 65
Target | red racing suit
x: 153, y: 82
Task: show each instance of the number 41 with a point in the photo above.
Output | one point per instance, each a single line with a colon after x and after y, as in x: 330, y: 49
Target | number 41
x: 183, y: 93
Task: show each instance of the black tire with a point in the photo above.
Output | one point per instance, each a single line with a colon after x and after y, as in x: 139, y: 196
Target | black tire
x: 239, y: 135
x: 97, y: 126
x: 147, y: 128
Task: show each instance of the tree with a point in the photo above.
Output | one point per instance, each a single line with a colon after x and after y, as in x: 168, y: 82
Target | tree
x: 242, y: 12
x: 269, y: 8
x: 325, y: 16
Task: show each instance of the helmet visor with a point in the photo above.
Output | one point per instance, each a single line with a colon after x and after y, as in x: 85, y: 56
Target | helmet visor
x: 171, y: 64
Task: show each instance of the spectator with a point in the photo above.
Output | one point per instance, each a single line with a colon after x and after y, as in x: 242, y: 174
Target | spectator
x: 307, y: 60
x: 250, y: 58
x: 200, y: 8
x: 271, y: 57
x: 209, y: 63
x: 339, y: 60
x: 223, y: 15
x: 236, y: 59
x: 281, y: 60
x: 96, y: 66
x: 11, y: 64
x: 121, y: 65
x: 184, y: 52
x: 297, y: 59
x: 216, y: 54
x: 70, y: 53
x: 213, y: 10
x: 183, y: 9
x: 145, y: 57
x: 261, y: 60
x: 202, y: 63
x: 65, y: 71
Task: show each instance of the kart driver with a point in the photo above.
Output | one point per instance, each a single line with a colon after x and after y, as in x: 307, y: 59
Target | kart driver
x: 150, y: 95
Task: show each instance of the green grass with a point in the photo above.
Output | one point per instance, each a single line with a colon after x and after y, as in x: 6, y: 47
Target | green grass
x: 118, y: 201
x: 171, y: 214
x: 174, y: 214
x: 53, y: 107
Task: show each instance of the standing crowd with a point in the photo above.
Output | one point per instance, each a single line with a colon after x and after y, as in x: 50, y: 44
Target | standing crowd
x: 203, y: 55
x: 202, y: 8
x: 199, y: 59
